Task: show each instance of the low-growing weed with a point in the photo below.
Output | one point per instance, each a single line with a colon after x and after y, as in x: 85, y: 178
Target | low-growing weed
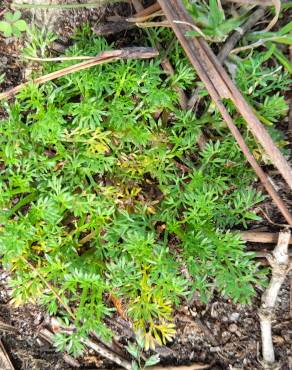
x: 108, y: 208
x: 13, y: 25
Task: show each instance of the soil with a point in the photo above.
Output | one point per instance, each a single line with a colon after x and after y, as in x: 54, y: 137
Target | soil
x: 221, y: 334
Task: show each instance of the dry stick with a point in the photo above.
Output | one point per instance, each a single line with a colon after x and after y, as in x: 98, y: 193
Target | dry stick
x: 122, y: 24
x: 104, y: 57
x: 260, y: 237
x: 248, y: 114
x: 110, y: 28
x: 5, y: 362
x: 199, y: 49
x: 7, y: 327
x: 239, y: 33
x: 107, y: 354
x: 145, y: 11
x: 48, y: 336
x: 280, y: 266
x: 138, y: 5
x: 218, y: 84
x: 221, y: 78
x: 266, y: 254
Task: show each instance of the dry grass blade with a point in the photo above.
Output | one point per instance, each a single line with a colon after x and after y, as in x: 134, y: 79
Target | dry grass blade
x: 104, y: 57
x: 58, y: 59
x: 277, y: 4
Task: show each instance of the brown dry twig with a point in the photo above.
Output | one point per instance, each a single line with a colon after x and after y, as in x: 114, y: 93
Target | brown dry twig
x: 5, y: 362
x: 239, y: 33
x: 102, y: 58
x: 219, y: 85
x: 261, y: 237
x: 279, y: 262
x: 48, y: 336
x: 117, y: 24
x: 230, y: 43
x: 7, y: 327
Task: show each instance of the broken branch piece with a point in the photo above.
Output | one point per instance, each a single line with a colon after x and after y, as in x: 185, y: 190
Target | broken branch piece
x: 279, y: 262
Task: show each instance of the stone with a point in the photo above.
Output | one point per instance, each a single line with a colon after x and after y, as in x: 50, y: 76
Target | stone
x: 233, y: 328
x: 234, y: 317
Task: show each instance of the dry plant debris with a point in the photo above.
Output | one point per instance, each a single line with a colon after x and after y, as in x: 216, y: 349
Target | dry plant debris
x: 279, y: 262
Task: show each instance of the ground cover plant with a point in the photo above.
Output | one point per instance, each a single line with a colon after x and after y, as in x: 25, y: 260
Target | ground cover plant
x: 107, y: 205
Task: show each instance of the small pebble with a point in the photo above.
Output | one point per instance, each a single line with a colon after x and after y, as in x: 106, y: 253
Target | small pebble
x: 233, y: 328
x: 234, y: 316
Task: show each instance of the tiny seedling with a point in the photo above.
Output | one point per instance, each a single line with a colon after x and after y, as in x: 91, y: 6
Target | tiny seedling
x: 2, y: 78
x: 13, y: 25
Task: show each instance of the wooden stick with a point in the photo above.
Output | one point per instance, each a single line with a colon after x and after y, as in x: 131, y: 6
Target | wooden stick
x: 280, y: 265
x: 219, y: 85
x: 266, y: 254
x: 123, y: 24
x: 229, y: 45
x: 261, y: 237
x: 147, y: 11
x: 138, y: 5
x: 48, y: 336
x: 7, y: 327
x: 5, y: 362
x: 104, y: 352
x: 255, y: 126
x: 102, y: 58
x: 219, y: 77
x: 239, y: 33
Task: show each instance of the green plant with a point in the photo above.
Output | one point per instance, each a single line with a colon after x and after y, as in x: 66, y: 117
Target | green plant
x: 136, y: 351
x: 271, y: 40
x: 106, y: 210
x: 38, y: 42
x: 211, y: 20
x: 2, y: 77
x: 13, y: 25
